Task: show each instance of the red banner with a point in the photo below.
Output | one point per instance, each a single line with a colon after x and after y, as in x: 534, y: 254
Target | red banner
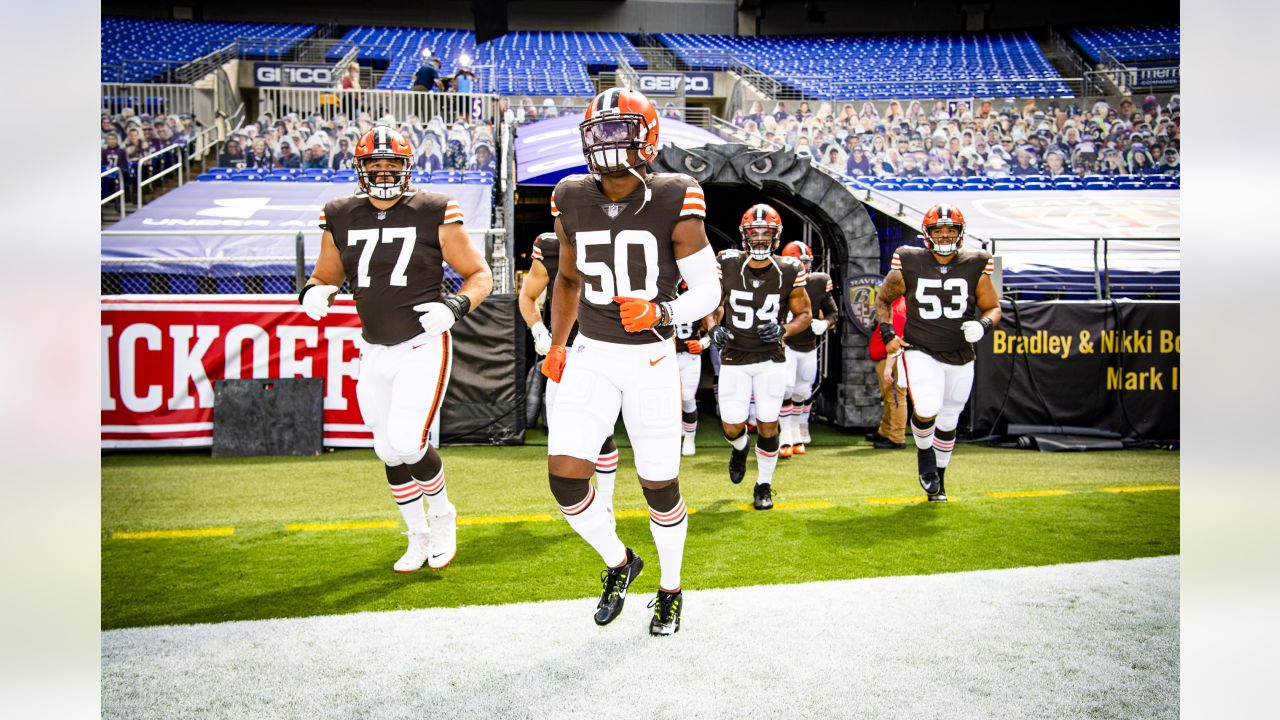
x: 161, y: 355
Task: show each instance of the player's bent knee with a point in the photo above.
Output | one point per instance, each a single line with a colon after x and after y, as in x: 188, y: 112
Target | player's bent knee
x: 568, y: 492
x: 767, y: 429
x: 661, y: 495
x: 570, y: 467
x: 382, y: 448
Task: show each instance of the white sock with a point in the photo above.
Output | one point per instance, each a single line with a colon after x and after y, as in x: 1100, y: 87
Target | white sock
x: 765, y: 463
x: 415, y: 516
x: 606, y: 473
x: 784, y: 427
x: 944, y: 442
x: 594, y: 523
x: 669, y: 530
x: 923, y: 436
x: 436, y: 494
x: 740, y: 443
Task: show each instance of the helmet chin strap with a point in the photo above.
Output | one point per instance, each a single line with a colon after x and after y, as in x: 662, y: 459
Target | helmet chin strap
x: 648, y: 193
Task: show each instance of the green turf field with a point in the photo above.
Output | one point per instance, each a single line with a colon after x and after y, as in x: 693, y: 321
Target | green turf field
x: 259, y: 568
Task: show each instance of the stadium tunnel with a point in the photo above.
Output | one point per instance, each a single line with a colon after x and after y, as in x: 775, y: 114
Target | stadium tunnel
x: 815, y: 209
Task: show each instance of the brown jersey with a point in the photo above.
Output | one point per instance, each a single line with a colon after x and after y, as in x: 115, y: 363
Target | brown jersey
x: 391, y: 258
x: 818, y: 287
x: 753, y: 297
x: 684, y: 332
x: 624, y: 248
x: 939, y: 298
x: 546, y: 250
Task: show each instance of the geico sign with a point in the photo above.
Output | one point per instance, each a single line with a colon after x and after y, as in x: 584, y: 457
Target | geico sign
x: 265, y: 74
x: 670, y: 84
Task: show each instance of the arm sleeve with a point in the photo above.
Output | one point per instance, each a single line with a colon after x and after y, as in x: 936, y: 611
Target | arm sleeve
x: 700, y: 272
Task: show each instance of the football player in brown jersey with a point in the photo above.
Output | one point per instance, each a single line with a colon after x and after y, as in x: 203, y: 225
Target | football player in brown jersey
x: 627, y: 236
x: 755, y: 285
x: 951, y: 304
x: 388, y: 242
x: 542, y: 275
x: 802, y: 354
x: 691, y: 341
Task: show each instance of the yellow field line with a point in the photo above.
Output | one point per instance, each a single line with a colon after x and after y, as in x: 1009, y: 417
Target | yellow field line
x: 166, y: 534
x: 896, y: 500
x: 322, y: 527
x: 811, y: 505
x: 506, y: 519
x: 1028, y: 493
x: 502, y: 519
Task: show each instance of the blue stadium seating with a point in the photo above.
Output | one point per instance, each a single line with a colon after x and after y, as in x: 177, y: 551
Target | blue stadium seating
x: 169, y: 43
x: 905, y: 66
x: 1129, y: 43
x: 529, y: 63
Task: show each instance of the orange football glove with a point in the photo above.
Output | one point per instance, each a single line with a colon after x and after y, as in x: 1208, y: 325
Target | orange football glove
x: 638, y: 315
x: 693, y: 345
x: 553, y: 366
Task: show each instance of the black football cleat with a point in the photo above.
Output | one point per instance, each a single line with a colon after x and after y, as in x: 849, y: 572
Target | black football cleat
x: 931, y: 484
x: 737, y: 465
x: 941, y: 495
x: 666, y: 613
x: 616, y: 581
x: 763, y: 497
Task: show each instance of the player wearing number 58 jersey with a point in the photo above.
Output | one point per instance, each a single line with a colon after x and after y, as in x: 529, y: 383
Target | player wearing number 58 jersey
x: 951, y: 304
x: 759, y: 288
x: 626, y: 238
x: 388, y: 241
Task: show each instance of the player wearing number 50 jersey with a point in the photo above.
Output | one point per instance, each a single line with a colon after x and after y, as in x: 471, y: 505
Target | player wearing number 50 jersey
x: 951, y: 304
x: 388, y: 241
x: 626, y: 238
x: 759, y: 288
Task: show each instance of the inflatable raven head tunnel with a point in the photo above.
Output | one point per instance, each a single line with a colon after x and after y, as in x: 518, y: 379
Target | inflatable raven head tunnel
x: 818, y: 210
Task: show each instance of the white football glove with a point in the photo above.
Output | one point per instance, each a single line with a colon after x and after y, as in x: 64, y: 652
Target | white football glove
x: 819, y: 326
x: 436, y: 317
x: 973, y: 330
x: 541, y: 339
x: 315, y: 300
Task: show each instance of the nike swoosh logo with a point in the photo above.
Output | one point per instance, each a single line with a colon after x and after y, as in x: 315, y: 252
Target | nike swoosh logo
x: 655, y: 362
x: 433, y: 557
x: 415, y: 347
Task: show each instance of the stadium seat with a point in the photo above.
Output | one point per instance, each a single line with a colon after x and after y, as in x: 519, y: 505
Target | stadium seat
x: 205, y: 177
x: 278, y: 178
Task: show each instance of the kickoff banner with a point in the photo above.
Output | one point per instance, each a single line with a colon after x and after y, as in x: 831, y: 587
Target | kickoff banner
x: 161, y: 355
x: 1100, y: 364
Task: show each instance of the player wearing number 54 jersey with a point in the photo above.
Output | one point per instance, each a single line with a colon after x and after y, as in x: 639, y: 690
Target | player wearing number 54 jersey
x: 626, y: 238
x: 759, y: 287
x: 951, y: 304
x: 387, y: 241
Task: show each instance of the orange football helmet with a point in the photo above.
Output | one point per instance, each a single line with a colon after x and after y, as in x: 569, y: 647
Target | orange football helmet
x: 799, y: 251
x: 760, y: 216
x: 383, y: 142
x: 940, y: 216
x: 619, y: 120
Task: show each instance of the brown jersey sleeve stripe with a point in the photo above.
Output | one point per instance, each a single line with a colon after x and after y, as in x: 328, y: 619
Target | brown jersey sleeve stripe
x: 990, y: 268
x: 537, y: 252
x: 896, y: 263
x: 801, y: 277
x: 554, y: 211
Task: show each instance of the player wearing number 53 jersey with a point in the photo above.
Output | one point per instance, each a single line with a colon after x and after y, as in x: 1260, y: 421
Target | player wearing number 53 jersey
x: 951, y: 304
x: 388, y: 241
x: 626, y: 238
x: 758, y: 287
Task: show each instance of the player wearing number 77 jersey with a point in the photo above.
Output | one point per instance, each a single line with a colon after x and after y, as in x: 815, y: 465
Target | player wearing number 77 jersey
x: 951, y: 304
x: 626, y: 238
x: 387, y: 241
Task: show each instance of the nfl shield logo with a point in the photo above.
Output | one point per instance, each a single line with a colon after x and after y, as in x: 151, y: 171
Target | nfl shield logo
x: 944, y: 269
x: 382, y: 214
x: 613, y: 210
x: 756, y: 283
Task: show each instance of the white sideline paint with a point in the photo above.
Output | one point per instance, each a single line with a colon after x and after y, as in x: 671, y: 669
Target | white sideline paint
x: 1091, y: 640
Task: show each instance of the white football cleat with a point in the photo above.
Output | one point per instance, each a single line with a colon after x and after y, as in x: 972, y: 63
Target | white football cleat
x: 444, y: 539
x: 416, y: 556
x: 687, y: 446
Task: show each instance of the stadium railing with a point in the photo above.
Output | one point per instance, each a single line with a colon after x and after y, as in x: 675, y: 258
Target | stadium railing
x: 179, y: 164
x: 149, y: 98
x: 398, y: 103
x: 254, y: 274
x: 119, y: 193
x: 1150, y: 76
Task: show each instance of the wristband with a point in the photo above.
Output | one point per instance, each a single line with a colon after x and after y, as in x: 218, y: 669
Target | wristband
x: 986, y: 323
x: 459, y: 304
x: 886, y: 332
x: 664, y: 314
x: 303, y: 294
